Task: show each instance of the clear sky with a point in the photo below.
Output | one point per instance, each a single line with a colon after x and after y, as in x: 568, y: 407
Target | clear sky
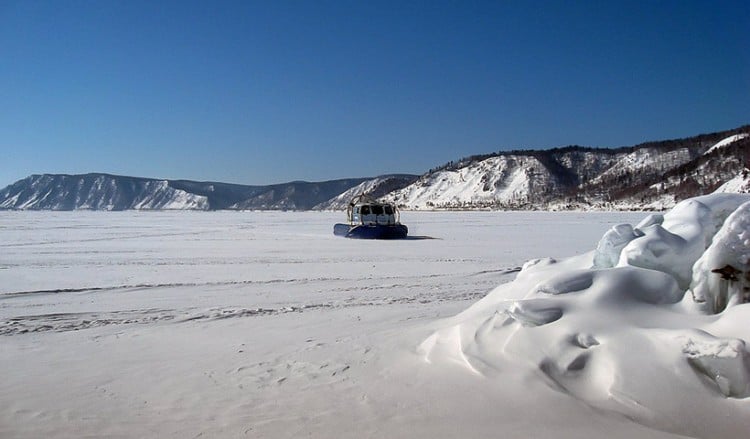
x: 262, y: 92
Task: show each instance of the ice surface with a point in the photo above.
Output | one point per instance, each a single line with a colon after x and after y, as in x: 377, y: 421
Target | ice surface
x: 263, y: 324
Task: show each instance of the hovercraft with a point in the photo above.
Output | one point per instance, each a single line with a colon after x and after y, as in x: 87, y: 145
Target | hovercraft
x: 370, y: 219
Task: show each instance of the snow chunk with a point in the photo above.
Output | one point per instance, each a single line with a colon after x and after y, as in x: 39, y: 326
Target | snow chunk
x: 653, y: 219
x: 686, y: 231
x: 533, y: 313
x: 725, y: 362
x: 609, y: 248
x: 721, y: 277
x: 566, y: 283
x: 537, y: 263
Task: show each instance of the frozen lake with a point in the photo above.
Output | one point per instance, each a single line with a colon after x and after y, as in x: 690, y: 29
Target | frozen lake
x: 262, y: 324
x: 152, y: 266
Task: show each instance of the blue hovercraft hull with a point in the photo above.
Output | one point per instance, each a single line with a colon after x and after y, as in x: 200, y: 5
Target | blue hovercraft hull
x: 395, y: 231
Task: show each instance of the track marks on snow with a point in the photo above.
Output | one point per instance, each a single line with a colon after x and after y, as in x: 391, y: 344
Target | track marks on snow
x: 63, y: 322
x: 383, y: 283
x: 347, y: 293
x: 162, y: 285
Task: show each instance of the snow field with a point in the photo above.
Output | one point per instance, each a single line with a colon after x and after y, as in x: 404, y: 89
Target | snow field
x: 263, y: 324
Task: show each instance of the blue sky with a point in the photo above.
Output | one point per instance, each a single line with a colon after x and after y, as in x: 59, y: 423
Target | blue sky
x: 262, y: 92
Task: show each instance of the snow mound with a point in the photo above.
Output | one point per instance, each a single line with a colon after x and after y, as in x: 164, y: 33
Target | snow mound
x: 652, y: 324
x: 721, y: 277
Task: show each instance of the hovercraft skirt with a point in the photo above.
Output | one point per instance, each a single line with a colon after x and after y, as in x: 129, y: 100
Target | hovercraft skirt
x: 377, y: 231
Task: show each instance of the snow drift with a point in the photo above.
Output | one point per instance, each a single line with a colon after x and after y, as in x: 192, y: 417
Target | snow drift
x: 653, y: 324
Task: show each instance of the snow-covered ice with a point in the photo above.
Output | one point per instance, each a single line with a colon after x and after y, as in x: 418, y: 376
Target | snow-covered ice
x: 263, y: 324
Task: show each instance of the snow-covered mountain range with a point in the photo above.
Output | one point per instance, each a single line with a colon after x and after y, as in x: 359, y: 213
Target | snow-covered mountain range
x: 653, y: 175
x: 113, y: 192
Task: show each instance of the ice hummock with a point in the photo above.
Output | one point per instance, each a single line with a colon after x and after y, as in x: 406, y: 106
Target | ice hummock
x: 721, y: 277
x: 653, y: 324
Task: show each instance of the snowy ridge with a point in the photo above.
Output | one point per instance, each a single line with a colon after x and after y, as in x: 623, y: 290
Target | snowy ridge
x: 97, y: 192
x: 340, y: 202
x: 727, y: 141
x: 495, y: 181
x: 649, y: 160
x: 294, y: 195
x: 158, y: 195
x: 376, y: 188
x: 113, y: 192
x: 654, y: 176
